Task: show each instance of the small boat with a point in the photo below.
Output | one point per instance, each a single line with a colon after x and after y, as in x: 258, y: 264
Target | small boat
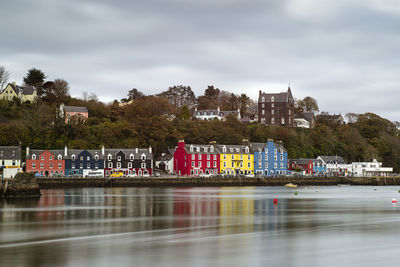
x: 290, y: 185
x: 343, y: 185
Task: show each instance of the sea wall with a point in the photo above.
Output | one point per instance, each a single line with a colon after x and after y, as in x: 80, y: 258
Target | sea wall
x: 15, y: 188
x: 226, y: 181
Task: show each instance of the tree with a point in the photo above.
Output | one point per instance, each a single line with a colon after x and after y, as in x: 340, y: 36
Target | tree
x: 308, y: 104
x: 184, y: 115
x: 180, y: 95
x: 35, y: 77
x: 133, y: 94
x: 55, y: 91
x: 4, y: 76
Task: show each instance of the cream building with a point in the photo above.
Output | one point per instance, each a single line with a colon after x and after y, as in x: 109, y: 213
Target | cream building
x: 24, y: 93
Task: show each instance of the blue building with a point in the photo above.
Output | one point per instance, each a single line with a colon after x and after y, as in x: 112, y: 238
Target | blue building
x: 319, y: 167
x: 270, y: 158
x: 80, y: 162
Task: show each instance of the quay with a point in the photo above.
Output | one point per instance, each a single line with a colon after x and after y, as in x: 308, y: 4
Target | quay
x: 49, y: 183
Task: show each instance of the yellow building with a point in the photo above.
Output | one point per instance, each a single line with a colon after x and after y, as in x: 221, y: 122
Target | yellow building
x: 25, y: 94
x: 236, y: 160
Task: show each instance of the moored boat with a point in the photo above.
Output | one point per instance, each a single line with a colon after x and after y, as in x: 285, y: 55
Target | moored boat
x: 290, y: 185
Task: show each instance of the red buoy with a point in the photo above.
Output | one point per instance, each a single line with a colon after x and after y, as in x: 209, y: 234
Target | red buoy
x: 394, y: 200
x: 275, y: 201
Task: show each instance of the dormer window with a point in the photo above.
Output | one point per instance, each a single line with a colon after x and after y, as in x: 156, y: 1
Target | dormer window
x: 198, y: 149
x: 73, y: 157
x: 205, y: 149
x: 211, y: 113
x: 33, y: 156
x: 96, y: 157
x: 212, y: 149
x: 224, y: 149
x: 247, y: 150
x: 59, y: 157
x: 109, y: 157
x: 237, y: 150
x: 131, y: 157
x: 143, y: 157
x: 191, y: 148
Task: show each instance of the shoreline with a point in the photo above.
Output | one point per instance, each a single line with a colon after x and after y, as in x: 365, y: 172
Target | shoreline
x: 50, y: 183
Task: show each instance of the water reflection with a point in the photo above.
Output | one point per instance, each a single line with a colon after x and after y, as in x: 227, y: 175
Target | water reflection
x: 200, y: 227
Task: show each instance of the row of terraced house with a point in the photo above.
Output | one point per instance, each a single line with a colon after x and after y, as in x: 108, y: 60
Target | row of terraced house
x: 75, y: 162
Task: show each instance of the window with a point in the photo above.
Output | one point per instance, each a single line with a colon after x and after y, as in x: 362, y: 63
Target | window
x: 96, y: 165
x: 13, y: 162
x: 224, y: 164
x: 73, y: 157
x: 248, y: 164
x: 33, y: 165
x: 59, y: 165
x: 282, y: 120
x: 87, y: 158
x: 143, y: 165
x: 143, y: 157
x: 266, y: 165
x: 215, y: 164
x: 131, y: 157
x: 81, y: 166
x: 191, y: 148
x: 88, y: 166
x: 248, y: 157
x: 272, y: 99
x: 198, y: 149
x: 263, y: 99
x: 272, y: 111
x: 259, y: 157
x: 73, y: 165
x: 262, y: 112
x: 266, y: 156
x: 41, y: 165
x: 225, y: 156
x: 205, y: 149
x: 233, y: 157
x: 50, y: 157
x: 263, y: 105
x: 192, y: 163
x: 241, y: 164
x: 281, y: 157
x: 33, y: 156
x: 215, y: 157
x: 208, y: 164
x: 42, y: 157
x: 233, y: 165
x: 119, y: 158
x: 193, y: 156
x: 259, y: 164
x: 81, y: 158
x: 199, y: 163
x: 272, y: 105
x: 275, y: 165
x: 199, y: 156
x: 208, y: 157
x: 118, y: 165
x: 212, y: 149
x: 109, y: 157
x: 272, y: 120
x: 129, y: 164
x: 96, y: 157
x: 59, y: 157
x: 224, y: 149
x: 275, y: 151
x: 275, y: 158
x: 110, y: 165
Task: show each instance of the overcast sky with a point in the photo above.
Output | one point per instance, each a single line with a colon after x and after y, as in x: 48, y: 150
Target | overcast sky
x: 344, y: 53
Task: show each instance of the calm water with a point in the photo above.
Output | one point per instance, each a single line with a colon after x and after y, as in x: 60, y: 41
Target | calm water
x: 226, y: 226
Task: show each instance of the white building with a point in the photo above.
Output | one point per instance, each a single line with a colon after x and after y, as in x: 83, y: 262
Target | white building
x: 166, y: 161
x: 335, y: 165
x: 212, y: 114
x: 369, y: 169
x: 301, y: 123
x: 10, y: 160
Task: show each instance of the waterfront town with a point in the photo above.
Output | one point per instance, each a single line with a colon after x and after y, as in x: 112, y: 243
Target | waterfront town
x: 266, y: 157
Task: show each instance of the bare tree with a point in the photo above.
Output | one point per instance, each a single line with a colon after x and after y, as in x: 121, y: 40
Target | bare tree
x: 4, y: 76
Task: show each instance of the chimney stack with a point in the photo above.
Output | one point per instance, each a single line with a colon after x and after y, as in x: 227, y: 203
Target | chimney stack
x: 65, y: 151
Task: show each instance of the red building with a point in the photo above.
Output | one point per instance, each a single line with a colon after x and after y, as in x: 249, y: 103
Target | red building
x: 193, y: 160
x: 306, y: 165
x: 45, y: 162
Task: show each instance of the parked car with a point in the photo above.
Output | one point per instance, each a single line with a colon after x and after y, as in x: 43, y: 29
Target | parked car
x: 132, y: 175
x: 117, y: 174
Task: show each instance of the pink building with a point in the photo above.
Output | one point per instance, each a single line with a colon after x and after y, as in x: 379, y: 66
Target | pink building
x: 71, y: 112
x: 193, y: 160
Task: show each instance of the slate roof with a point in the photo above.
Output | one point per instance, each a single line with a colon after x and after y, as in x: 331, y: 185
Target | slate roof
x: 37, y: 152
x: 235, y: 149
x: 76, y: 152
x: 315, y: 161
x: 26, y: 90
x: 302, y: 161
x: 278, y: 97
x: 10, y: 152
x: 332, y: 159
x: 261, y: 146
x: 201, y: 149
x: 309, y: 116
x: 75, y: 109
x: 128, y: 151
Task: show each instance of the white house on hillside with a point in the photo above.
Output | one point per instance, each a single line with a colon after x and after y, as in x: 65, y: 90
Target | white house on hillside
x: 369, y: 169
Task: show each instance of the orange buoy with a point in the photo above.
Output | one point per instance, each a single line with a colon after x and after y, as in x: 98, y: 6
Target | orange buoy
x: 394, y: 200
